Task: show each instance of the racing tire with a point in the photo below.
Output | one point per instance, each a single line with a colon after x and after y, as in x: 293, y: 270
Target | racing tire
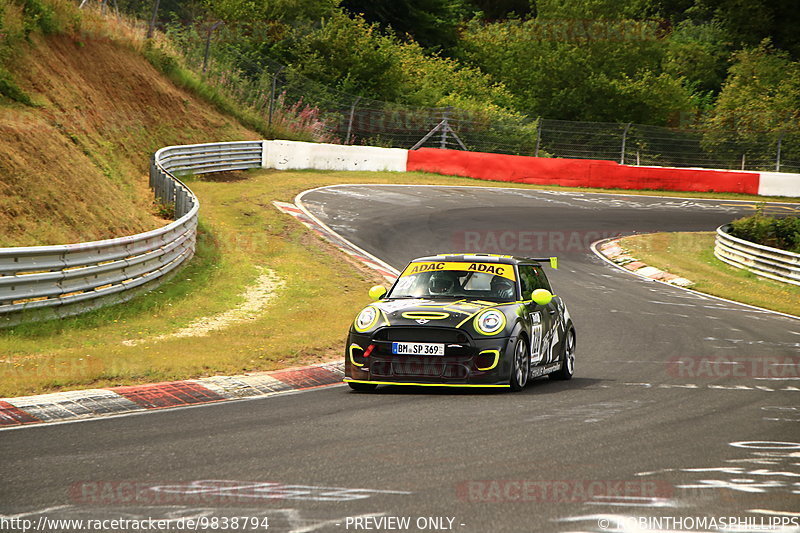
x: 362, y: 387
x: 520, y: 365
x: 568, y: 362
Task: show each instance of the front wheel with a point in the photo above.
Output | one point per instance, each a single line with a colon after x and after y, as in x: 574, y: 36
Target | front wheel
x: 521, y: 366
x: 362, y: 387
x: 568, y: 363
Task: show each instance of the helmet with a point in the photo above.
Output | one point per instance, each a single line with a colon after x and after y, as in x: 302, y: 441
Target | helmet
x: 441, y: 283
x: 502, y: 287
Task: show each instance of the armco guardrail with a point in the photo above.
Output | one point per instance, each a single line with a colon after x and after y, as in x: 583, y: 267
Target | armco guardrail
x: 761, y: 260
x: 62, y: 280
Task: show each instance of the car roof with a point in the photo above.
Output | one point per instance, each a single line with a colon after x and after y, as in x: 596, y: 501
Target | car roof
x: 478, y: 258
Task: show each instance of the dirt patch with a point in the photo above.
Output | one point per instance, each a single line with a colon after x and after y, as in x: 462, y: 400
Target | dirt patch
x: 256, y: 297
x: 223, y: 177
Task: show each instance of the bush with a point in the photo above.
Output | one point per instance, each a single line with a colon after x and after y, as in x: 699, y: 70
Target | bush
x: 40, y: 16
x: 11, y: 90
x: 782, y: 233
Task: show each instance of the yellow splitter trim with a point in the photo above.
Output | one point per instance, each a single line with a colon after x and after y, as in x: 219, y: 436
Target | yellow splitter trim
x: 348, y: 380
x: 498, y: 269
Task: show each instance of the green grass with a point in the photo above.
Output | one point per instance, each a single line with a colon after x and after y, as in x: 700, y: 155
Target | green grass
x: 241, y: 230
x: 184, y: 78
x: 691, y: 255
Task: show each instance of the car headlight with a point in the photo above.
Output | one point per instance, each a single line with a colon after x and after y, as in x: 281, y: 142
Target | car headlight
x: 490, y: 322
x: 366, y: 319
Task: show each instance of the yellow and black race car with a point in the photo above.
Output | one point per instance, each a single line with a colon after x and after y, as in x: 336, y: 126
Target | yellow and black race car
x: 465, y: 320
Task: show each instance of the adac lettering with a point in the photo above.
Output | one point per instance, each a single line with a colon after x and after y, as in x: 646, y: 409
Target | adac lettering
x: 425, y: 267
x: 485, y: 267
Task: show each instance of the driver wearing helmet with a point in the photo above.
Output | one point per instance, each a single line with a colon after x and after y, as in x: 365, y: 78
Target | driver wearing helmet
x: 442, y: 283
x: 502, y: 287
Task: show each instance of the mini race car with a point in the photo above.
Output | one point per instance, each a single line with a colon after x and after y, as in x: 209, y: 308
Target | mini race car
x: 465, y: 320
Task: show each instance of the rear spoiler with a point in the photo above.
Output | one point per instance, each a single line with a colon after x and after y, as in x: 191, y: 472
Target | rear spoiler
x: 552, y: 260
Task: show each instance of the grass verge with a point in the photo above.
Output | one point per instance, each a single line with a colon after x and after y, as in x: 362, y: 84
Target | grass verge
x: 241, y: 230
x: 691, y: 255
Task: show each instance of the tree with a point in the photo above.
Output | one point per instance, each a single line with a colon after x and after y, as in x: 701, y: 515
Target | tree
x: 759, y: 103
x: 431, y: 23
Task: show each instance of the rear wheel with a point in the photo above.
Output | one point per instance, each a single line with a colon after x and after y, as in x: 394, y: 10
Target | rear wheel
x: 362, y: 387
x: 568, y: 362
x: 521, y: 365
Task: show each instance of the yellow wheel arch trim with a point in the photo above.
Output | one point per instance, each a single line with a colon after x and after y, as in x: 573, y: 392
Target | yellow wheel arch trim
x: 496, y: 359
x: 348, y: 380
x: 352, y: 347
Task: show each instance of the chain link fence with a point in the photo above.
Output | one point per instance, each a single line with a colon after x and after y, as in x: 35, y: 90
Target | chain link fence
x: 291, y: 102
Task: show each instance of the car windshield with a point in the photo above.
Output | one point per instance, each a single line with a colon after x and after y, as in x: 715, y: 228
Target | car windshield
x: 456, y: 282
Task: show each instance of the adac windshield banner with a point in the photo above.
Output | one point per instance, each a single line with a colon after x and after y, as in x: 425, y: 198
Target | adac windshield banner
x: 506, y: 271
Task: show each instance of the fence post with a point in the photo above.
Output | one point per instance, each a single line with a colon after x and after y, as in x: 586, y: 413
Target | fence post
x: 743, y: 161
x: 778, y: 157
x: 152, y: 25
x: 208, y: 44
x: 445, y: 127
x: 350, y: 122
x: 624, y: 138
x: 538, y: 136
x: 272, y: 94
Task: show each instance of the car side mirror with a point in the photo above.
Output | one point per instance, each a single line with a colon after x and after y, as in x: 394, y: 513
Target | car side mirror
x: 542, y: 296
x: 377, y: 292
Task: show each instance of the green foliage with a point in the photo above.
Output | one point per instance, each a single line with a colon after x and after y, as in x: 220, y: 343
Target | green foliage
x: 749, y: 22
x: 286, y: 11
x: 699, y: 53
x: 10, y: 89
x: 761, y: 94
x: 352, y: 56
x: 431, y: 23
x: 782, y: 233
x: 40, y: 15
x: 578, y: 69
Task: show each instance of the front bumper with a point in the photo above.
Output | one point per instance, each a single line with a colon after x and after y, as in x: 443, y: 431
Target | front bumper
x: 467, y: 363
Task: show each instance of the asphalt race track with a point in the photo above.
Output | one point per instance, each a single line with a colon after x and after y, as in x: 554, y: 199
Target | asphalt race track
x: 682, y: 406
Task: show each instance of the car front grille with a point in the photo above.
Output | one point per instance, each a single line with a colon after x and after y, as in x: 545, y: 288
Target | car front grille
x: 419, y: 367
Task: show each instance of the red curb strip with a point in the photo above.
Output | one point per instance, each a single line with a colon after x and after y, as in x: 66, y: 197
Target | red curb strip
x: 614, y: 252
x: 93, y: 403
x: 307, y: 378
x: 168, y: 394
x: 12, y: 416
x: 342, y: 244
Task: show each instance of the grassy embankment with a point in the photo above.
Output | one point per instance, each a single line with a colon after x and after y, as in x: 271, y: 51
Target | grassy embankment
x: 691, y: 255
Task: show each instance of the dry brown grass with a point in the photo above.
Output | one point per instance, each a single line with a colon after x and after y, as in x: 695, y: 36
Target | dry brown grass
x: 74, y: 168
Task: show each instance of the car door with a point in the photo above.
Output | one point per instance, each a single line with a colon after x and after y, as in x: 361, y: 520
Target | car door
x: 542, y: 318
x: 552, y: 337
